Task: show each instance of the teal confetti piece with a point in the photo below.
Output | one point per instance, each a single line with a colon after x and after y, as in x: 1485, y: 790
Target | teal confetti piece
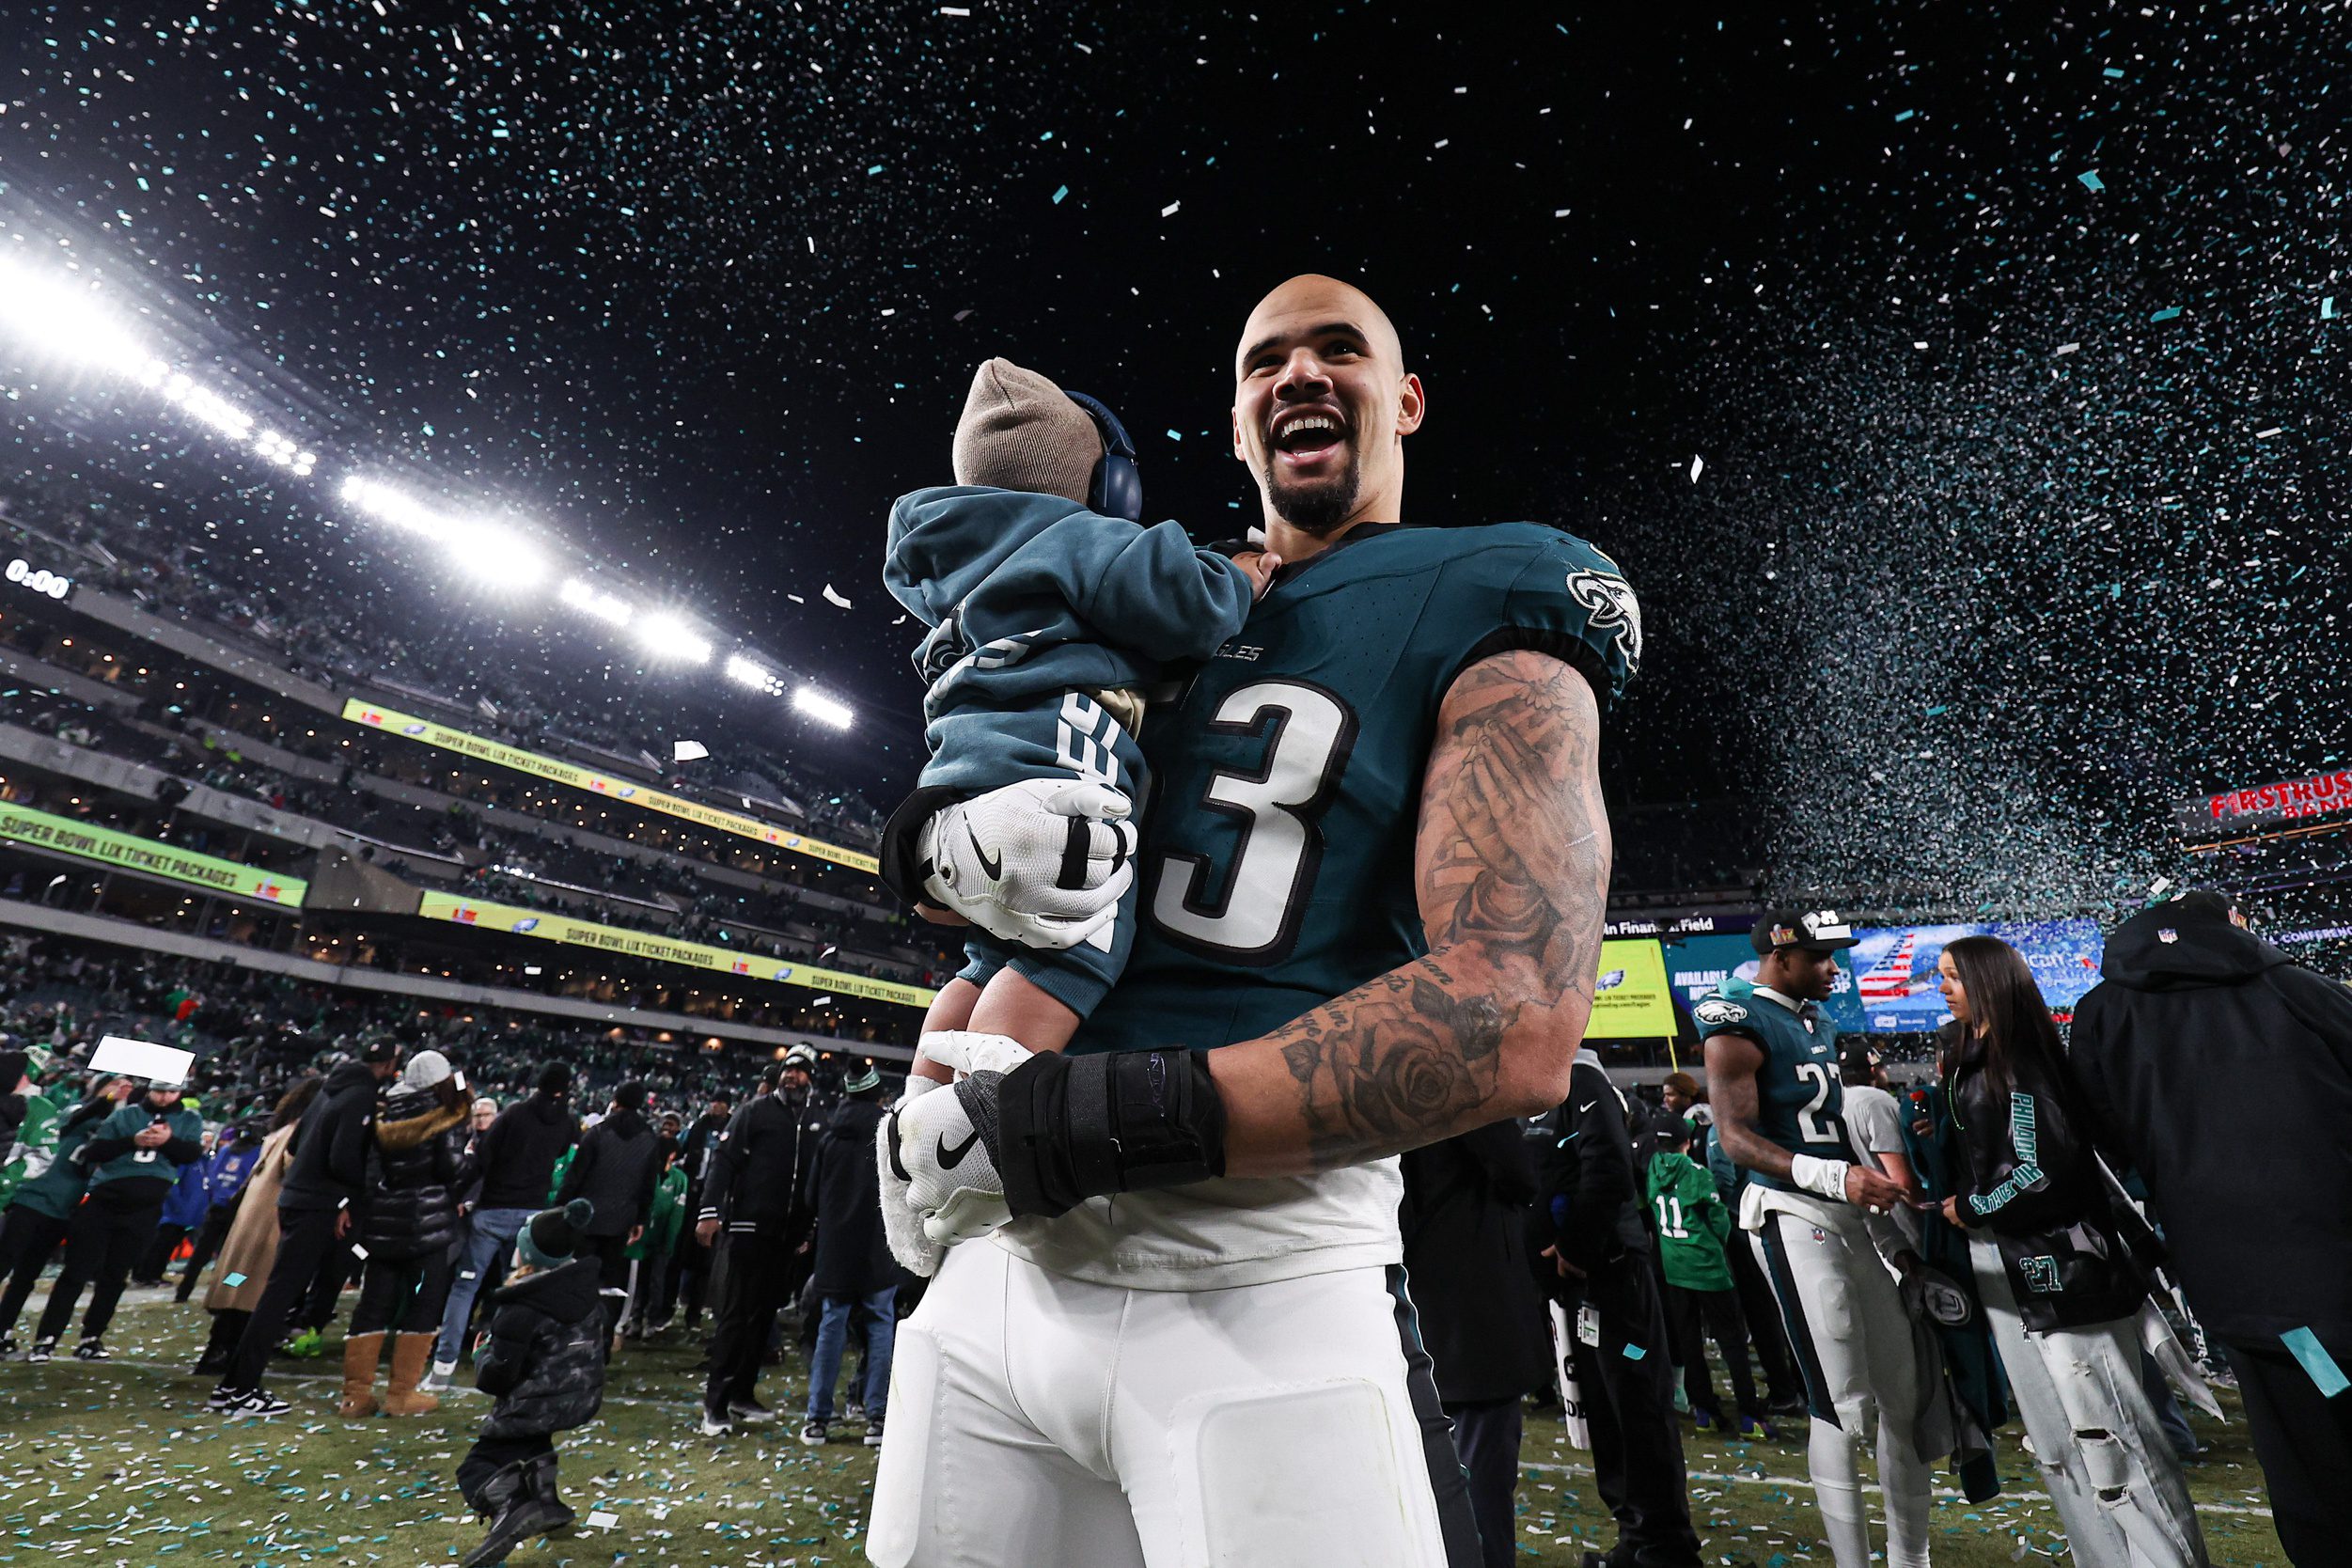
x: 1905, y: 114
x: 1059, y: 194
x: 1175, y: 435
x: 874, y: 168
x: 2327, y: 309
x: 2166, y: 314
x: 2112, y: 71
x: 1634, y: 1353
x: 2305, y: 1347
x: 2091, y: 179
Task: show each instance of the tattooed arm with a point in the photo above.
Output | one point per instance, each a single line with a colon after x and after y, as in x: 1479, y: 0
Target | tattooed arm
x: 1512, y: 860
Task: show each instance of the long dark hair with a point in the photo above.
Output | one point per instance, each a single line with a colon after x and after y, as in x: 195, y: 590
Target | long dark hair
x: 2007, y: 1019
x: 295, y: 1101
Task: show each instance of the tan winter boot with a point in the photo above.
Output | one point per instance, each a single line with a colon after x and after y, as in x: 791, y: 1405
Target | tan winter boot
x: 361, y: 1352
x: 412, y: 1354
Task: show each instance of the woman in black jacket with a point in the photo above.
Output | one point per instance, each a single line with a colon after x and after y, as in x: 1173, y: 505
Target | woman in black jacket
x: 2051, y: 1245
x: 408, y: 1220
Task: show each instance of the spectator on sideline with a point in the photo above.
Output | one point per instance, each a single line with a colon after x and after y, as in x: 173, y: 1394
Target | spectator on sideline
x: 2051, y: 1244
x: 251, y: 1248
x: 1694, y: 1232
x: 1686, y: 1097
x: 1590, y: 1207
x: 184, y: 1208
x: 1464, y: 1224
x: 408, y: 1225
x: 544, y: 1362
x: 36, y: 1216
x: 516, y: 1161
x: 134, y: 1157
x: 2222, y: 1073
x: 1874, y: 1124
x: 615, y: 1169
x: 324, y: 1178
x: 690, y: 1266
x: 649, y: 1299
x: 758, y: 1192
x: 855, y: 1271
x: 235, y: 1153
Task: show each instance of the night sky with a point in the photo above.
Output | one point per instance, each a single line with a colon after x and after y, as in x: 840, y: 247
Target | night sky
x: 1962, y: 386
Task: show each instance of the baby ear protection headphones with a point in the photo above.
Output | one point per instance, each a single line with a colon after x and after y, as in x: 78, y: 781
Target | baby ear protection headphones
x: 1117, y: 488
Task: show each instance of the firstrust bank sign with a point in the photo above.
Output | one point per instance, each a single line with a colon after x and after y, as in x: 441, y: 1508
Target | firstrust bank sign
x: 2321, y: 794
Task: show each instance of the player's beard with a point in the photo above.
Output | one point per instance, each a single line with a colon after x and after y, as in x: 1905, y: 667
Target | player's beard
x: 1316, y: 507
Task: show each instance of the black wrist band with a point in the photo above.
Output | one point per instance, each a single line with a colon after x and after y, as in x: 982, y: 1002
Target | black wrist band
x: 1078, y: 1127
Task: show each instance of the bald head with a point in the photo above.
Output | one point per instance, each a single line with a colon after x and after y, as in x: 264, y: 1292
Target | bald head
x: 1321, y: 405
x: 1314, y: 297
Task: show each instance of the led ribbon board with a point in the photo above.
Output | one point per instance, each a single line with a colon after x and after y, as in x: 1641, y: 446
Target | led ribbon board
x: 68, y: 836
x: 603, y: 786
x: 1632, y: 1002
x: 548, y: 927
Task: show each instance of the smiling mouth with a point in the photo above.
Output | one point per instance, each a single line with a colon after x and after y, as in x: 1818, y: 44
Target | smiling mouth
x: 1300, y: 440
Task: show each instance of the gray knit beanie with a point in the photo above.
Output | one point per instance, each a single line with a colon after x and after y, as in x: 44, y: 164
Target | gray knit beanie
x: 1020, y: 432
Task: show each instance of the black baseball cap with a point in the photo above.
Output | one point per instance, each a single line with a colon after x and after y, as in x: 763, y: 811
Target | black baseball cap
x: 1672, y: 1129
x: 1818, y: 931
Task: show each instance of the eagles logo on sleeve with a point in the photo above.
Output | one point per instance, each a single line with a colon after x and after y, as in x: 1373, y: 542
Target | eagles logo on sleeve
x: 1714, y: 1010
x: 1608, y: 598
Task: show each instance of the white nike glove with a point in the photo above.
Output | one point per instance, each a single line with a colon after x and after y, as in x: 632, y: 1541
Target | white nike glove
x: 1043, y: 862
x: 936, y: 1153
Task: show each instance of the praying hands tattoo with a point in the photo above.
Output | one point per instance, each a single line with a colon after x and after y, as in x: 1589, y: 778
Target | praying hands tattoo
x: 1512, y: 862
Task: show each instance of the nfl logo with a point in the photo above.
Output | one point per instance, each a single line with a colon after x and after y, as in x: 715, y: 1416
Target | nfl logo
x: 1820, y: 1235
x: 2168, y: 935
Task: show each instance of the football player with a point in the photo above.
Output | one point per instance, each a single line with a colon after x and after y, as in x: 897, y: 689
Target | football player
x: 1773, y: 1079
x: 1373, y: 879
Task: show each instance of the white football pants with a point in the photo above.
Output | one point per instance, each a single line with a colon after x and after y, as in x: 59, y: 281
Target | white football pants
x: 1039, y: 1421
x: 2106, y: 1461
x: 1853, y: 1342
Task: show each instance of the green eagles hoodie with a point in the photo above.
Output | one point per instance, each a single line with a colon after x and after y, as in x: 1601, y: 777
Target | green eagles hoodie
x: 1693, y: 1223
x: 56, y: 1190
x: 115, y: 1158
x: 670, y: 1212
x: 34, y: 1146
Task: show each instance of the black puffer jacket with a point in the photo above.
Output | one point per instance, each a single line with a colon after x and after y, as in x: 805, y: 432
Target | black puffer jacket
x: 412, y: 1176
x: 545, y: 1359
x: 2025, y: 1170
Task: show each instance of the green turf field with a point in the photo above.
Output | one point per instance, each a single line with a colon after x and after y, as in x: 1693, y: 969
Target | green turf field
x: 118, y: 1463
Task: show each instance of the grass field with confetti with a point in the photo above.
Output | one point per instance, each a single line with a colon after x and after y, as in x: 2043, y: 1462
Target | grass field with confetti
x: 118, y: 1463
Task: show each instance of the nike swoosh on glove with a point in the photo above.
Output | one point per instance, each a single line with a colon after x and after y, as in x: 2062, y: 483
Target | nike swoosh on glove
x: 1043, y: 862
x: 937, y: 1153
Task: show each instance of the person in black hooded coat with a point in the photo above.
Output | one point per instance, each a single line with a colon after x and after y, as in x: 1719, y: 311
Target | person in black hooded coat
x: 615, y: 1170
x: 854, y: 1273
x: 2224, y: 1074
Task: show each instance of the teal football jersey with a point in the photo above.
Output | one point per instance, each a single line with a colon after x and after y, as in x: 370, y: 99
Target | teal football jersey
x: 1800, y: 1100
x: 1277, y: 854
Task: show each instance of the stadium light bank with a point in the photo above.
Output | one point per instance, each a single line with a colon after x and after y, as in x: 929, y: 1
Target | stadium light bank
x: 51, y: 314
x: 59, y: 318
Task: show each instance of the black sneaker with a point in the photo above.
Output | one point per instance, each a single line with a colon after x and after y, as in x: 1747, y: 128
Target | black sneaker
x: 222, y: 1397
x: 873, y: 1432
x: 750, y: 1412
x: 716, y: 1422
x: 256, y: 1405
x: 92, y: 1350
x: 816, y: 1434
x: 41, y: 1351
